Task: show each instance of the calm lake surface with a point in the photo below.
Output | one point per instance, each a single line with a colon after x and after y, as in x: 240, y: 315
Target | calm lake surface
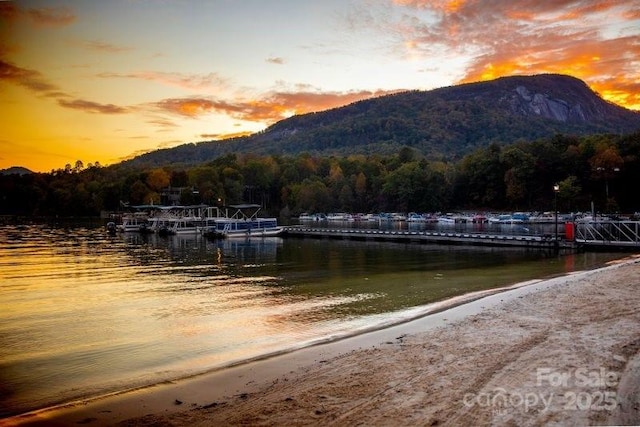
x: 83, y: 313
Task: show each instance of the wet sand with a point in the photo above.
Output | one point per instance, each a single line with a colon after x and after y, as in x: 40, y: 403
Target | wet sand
x: 563, y: 351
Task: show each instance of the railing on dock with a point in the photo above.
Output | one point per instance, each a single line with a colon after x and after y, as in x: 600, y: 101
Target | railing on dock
x: 442, y: 238
x: 622, y: 234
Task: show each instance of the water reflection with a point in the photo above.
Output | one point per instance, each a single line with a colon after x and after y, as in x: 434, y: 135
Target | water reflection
x: 84, y: 313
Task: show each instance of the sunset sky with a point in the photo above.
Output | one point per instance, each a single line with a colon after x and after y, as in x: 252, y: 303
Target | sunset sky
x: 106, y: 80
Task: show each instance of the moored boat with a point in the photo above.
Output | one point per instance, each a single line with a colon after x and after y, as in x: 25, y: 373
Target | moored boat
x: 134, y: 222
x: 244, y: 223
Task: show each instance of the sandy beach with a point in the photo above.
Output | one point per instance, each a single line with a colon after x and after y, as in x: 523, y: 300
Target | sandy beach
x: 563, y: 351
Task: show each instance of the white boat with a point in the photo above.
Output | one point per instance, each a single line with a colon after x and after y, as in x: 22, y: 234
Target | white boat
x: 185, y: 225
x: 305, y: 217
x: 543, y: 218
x: 133, y: 222
x: 338, y: 216
x: 446, y: 220
x: 414, y: 217
x: 178, y: 219
x: 500, y: 219
x: 244, y: 223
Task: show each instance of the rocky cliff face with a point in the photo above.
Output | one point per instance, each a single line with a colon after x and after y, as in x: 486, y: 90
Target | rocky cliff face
x: 538, y: 104
x: 564, y: 99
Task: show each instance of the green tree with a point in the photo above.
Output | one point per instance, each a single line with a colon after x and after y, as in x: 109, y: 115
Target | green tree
x: 568, y: 192
x: 480, y: 181
x: 139, y: 193
x: 312, y: 195
x: 520, y: 171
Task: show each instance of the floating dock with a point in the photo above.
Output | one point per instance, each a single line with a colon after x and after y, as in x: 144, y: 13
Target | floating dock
x: 427, y: 237
x: 606, y: 235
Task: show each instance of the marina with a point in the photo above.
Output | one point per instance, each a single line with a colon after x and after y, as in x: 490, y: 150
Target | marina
x: 543, y: 231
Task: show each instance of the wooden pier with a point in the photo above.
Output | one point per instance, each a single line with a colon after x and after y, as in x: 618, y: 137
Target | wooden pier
x: 428, y: 237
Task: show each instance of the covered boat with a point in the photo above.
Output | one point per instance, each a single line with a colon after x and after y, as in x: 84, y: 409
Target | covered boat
x: 244, y: 222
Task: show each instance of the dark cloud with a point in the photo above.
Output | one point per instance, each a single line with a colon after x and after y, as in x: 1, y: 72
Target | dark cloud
x: 9, y: 12
x: 105, y: 47
x: 92, y: 107
x: 30, y: 79
x: 51, y: 16
x: 183, y: 80
x: 35, y: 82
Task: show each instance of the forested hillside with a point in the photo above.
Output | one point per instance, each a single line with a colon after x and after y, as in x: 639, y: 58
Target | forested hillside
x: 442, y: 124
x: 516, y: 177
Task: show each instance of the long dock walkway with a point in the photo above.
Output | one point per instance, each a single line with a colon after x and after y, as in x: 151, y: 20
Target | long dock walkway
x: 428, y: 237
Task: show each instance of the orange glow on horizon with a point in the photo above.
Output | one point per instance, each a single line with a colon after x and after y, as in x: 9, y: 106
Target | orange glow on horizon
x: 76, y: 91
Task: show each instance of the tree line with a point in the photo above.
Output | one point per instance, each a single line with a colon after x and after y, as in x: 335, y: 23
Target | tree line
x: 603, y: 169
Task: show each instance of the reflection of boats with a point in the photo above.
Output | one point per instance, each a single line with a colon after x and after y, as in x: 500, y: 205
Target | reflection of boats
x: 243, y: 223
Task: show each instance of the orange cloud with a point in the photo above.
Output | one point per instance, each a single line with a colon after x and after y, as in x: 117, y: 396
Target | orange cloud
x: 444, y: 6
x: 51, y: 16
x: 532, y: 36
x: 189, y: 107
x: 221, y: 136
x: 604, y: 65
x: 268, y: 109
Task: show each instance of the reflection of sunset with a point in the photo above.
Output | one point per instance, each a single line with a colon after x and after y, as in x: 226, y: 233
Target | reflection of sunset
x: 74, y: 90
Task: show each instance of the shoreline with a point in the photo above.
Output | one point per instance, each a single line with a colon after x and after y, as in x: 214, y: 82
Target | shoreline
x: 193, y: 399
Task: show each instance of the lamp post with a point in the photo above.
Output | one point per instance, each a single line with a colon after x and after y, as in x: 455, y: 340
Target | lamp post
x: 556, y: 189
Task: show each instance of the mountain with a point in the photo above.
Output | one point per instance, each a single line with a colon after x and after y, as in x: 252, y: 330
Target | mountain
x: 15, y: 170
x: 442, y: 123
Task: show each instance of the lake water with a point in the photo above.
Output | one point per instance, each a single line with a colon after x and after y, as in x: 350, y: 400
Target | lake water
x: 83, y: 313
